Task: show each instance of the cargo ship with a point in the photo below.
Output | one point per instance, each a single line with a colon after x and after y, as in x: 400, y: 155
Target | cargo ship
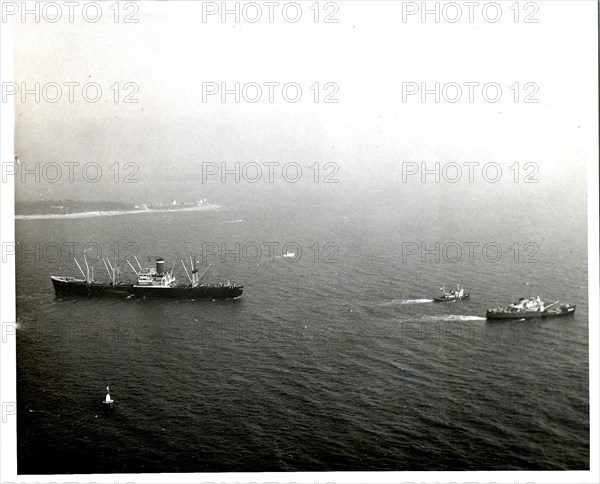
x: 530, y: 309
x: 156, y: 282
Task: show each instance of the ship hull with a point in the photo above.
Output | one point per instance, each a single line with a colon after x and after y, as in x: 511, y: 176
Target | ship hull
x: 78, y: 287
x: 551, y: 313
x: 450, y: 298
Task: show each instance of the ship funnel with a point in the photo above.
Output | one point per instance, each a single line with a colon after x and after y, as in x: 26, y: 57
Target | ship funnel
x: 160, y: 266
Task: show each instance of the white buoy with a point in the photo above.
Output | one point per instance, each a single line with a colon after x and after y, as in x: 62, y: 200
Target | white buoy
x: 108, y: 402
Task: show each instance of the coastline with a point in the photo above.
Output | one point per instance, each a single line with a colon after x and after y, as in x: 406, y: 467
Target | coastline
x: 110, y: 213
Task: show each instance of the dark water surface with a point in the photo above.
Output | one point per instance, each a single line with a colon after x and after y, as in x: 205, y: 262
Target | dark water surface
x: 322, y: 365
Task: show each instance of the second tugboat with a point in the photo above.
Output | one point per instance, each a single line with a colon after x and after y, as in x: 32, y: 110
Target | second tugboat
x: 159, y: 282
x: 529, y: 309
x: 453, y: 295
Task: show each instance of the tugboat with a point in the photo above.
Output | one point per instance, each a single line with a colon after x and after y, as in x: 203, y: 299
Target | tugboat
x: 530, y: 309
x: 453, y: 295
x: 157, y: 283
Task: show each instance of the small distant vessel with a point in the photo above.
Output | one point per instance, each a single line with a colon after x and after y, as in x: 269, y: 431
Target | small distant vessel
x: 530, y: 309
x: 108, y: 402
x: 453, y: 295
x: 289, y: 255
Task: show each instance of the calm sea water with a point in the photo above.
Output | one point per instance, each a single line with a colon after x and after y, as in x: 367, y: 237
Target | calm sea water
x: 337, y: 361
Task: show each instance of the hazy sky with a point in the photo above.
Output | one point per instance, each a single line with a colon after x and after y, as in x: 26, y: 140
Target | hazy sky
x: 170, y: 52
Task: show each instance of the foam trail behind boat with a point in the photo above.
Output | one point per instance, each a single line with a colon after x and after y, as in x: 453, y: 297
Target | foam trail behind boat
x: 453, y: 317
x: 408, y: 301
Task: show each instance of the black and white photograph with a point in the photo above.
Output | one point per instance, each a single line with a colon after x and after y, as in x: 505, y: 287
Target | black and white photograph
x: 310, y: 241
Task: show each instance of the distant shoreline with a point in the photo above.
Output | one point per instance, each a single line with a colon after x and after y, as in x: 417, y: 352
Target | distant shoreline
x: 110, y: 213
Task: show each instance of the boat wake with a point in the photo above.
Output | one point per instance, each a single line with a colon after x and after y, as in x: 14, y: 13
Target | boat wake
x: 232, y: 221
x: 407, y: 301
x: 453, y: 317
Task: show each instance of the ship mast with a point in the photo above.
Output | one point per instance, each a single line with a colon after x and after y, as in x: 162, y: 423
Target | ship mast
x: 104, y: 261
x: 112, y: 273
x: 186, y: 272
x: 87, y: 268
x: 194, y: 272
x: 80, y: 269
x: 133, y: 268
x: 203, y: 272
x: 115, y: 272
x: 194, y: 278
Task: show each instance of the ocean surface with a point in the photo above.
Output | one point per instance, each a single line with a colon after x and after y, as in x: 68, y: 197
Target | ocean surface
x: 334, y: 360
